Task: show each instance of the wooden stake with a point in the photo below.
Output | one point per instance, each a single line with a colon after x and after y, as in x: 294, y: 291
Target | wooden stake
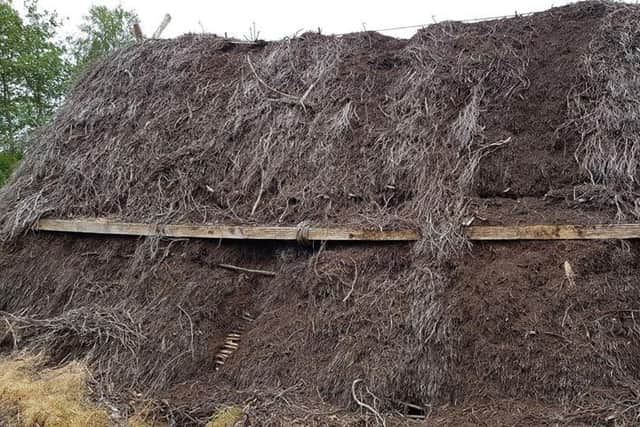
x: 162, y: 26
x: 137, y: 32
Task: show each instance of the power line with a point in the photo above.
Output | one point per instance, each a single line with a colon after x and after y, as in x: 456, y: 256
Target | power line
x: 408, y: 27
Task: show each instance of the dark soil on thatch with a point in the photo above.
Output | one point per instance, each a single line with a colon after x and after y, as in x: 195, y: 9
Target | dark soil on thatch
x: 515, y: 121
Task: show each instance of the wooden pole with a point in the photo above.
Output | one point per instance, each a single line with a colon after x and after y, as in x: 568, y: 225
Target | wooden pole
x: 162, y: 26
x: 553, y: 232
x: 105, y: 226
x: 339, y: 233
x: 137, y: 32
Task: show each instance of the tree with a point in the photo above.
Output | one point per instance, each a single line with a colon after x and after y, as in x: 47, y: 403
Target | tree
x: 33, y: 72
x: 8, y: 161
x: 102, y: 31
x: 33, y: 75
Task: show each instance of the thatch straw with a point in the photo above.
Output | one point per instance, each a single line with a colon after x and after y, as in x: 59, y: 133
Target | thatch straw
x: 361, y: 130
x: 604, y: 106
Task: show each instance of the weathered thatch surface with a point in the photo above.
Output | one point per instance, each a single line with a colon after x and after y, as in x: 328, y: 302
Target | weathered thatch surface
x: 492, y: 119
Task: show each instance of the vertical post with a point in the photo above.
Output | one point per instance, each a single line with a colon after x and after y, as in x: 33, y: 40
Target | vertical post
x: 137, y: 32
x: 162, y: 26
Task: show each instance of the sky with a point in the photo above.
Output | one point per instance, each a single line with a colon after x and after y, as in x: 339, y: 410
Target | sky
x: 276, y: 19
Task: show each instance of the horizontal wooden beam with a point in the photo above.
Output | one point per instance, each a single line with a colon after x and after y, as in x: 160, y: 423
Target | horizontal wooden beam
x: 104, y: 226
x: 474, y: 232
x: 553, y: 232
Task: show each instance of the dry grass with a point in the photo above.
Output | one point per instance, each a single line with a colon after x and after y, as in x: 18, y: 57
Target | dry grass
x: 57, y: 397
x: 31, y: 394
x: 227, y: 417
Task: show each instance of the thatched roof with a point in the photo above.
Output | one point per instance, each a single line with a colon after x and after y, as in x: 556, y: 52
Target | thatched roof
x: 508, y: 120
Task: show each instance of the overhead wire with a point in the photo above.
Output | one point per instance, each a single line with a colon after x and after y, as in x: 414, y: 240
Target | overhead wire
x: 408, y: 27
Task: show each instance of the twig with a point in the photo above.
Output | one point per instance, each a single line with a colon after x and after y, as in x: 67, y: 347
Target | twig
x: 247, y: 270
x: 286, y: 95
x: 353, y: 284
x: 193, y: 352
x: 248, y: 42
x: 255, y: 205
x: 288, y: 99
x: 379, y: 417
x: 12, y: 332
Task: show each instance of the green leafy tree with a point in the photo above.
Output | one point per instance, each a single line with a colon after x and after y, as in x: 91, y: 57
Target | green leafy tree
x: 33, y: 76
x: 36, y: 69
x: 102, y: 31
x: 8, y: 161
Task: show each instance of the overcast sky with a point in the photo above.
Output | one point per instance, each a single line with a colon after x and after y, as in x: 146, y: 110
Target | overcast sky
x: 279, y: 18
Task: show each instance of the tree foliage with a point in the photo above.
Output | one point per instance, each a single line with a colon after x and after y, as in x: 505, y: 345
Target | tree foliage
x: 9, y: 158
x: 36, y: 66
x: 102, y: 31
x: 33, y: 71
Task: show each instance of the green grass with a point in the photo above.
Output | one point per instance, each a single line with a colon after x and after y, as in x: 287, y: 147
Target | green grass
x: 9, y: 159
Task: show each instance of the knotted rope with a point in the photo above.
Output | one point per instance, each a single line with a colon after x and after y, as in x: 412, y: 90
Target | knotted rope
x: 302, y: 233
